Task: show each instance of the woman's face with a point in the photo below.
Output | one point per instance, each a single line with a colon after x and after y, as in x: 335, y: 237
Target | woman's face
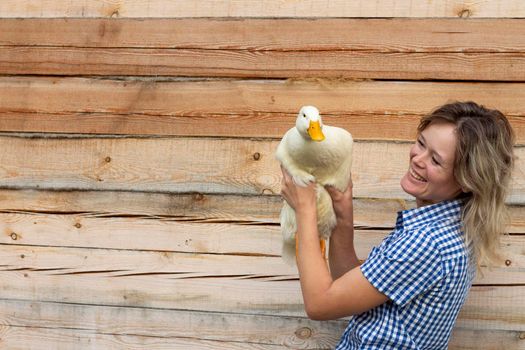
x: 430, y: 175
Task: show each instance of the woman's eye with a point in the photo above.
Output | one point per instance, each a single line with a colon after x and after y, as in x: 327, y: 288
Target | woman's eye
x: 434, y: 160
x: 420, y: 142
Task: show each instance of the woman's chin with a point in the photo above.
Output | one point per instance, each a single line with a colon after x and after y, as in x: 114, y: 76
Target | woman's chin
x: 411, y: 188
x: 406, y: 185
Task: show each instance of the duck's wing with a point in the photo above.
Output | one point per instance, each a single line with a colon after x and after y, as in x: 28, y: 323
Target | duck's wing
x: 339, y: 172
x: 284, y: 155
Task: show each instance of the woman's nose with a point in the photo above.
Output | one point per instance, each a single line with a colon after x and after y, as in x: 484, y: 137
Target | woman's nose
x: 419, y: 159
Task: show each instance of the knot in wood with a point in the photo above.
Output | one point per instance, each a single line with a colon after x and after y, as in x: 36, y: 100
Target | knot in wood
x: 78, y: 225
x: 256, y: 156
x: 198, y: 196
x: 464, y: 13
x: 14, y: 236
x: 508, y: 262
x: 267, y: 191
x: 107, y: 159
x: 521, y: 336
x: 303, y: 333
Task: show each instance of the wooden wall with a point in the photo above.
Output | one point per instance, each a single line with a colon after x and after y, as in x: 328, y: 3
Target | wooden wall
x: 138, y: 187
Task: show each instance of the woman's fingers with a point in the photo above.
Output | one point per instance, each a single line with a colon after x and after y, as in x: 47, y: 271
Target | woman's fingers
x: 336, y: 194
x: 286, y: 175
x: 285, y: 183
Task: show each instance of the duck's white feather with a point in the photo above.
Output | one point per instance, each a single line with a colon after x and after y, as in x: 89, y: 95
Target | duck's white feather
x: 327, y: 162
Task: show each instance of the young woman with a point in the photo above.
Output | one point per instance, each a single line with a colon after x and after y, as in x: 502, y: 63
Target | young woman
x: 408, y: 292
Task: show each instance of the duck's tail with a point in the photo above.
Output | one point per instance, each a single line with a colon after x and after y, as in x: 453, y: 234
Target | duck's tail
x: 288, y: 253
x: 288, y: 230
x: 325, y: 225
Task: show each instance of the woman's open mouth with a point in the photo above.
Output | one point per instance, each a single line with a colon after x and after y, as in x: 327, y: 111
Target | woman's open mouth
x: 416, y: 175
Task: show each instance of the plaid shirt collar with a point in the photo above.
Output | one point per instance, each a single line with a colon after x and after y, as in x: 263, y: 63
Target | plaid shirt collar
x: 446, y: 210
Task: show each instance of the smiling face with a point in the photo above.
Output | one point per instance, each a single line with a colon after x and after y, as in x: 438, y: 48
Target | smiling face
x: 430, y: 176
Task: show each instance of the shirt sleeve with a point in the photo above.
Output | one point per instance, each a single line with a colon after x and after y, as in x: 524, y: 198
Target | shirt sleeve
x: 404, y: 267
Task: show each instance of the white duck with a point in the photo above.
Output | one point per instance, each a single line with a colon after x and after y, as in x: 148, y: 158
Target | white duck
x: 310, y: 152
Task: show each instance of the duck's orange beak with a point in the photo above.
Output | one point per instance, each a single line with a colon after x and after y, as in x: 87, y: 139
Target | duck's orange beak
x: 315, y: 132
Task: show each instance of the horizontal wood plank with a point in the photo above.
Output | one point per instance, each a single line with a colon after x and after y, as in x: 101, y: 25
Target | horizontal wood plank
x: 498, y: 305
x: 198, y: 207
x: 475, y: 339
x: 65, y: 338
x: 175, y: 165
x: 35, y: 250
x: 379, y: 35
x: 370, y: 110
x: 210, y: 294
x: 168, y: 325
x: 270, y: 48
x: 266, y: 64
x: 265, y: 8
x: 168, y: 263
x: 298, y: 333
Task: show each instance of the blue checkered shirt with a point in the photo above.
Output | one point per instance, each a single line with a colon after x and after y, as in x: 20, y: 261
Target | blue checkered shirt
x: 423, y: 267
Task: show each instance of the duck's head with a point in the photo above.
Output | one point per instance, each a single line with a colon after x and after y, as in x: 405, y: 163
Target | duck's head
x: 309, y: 123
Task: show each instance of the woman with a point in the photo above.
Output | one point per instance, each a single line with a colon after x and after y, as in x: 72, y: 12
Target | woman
x: 408, y: 292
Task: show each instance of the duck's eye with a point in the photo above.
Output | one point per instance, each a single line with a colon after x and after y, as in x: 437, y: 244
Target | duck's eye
x: 304, y: 115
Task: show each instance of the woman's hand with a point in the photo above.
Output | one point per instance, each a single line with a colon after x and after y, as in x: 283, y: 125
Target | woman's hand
x: 342, y: 256
x: 298, y: 197
x: 342, y: 203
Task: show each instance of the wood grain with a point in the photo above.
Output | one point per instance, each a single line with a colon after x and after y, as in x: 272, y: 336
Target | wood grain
x: 190, y: 326
x: 182, y: 165
x: 139, y: 194
x: 262, y: 64
x: 498, y: 305
x: 265, y: 8
x: 38, y: 338
x: 268, y: 48
x: 197, y: 207
x: 65, y: 338
x: 370, y: 110
x: 19, y: 317
x: 156, y: 252
x: 147, y: 234
x: 475, y: 339
x: 294, y: 34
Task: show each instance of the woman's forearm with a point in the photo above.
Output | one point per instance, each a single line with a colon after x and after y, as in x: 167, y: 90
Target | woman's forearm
x: 341, y: 254
x: 314, y: 273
